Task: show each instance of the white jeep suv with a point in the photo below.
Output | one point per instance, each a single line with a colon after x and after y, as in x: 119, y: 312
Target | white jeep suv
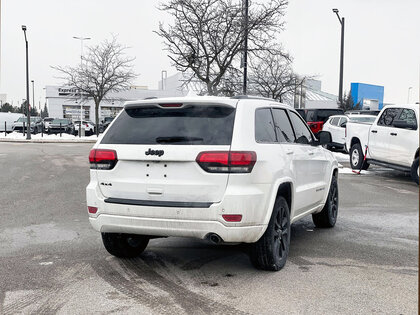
x: 238, y: 169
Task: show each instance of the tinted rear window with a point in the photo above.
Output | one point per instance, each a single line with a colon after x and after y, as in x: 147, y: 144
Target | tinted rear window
x: 190, y: 125
x: 322, y: 114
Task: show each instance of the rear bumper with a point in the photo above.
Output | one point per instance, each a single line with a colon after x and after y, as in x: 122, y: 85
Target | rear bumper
x: 173, y: 227
x: 183, y: 221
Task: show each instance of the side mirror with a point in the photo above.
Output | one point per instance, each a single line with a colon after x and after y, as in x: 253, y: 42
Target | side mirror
x: 343, y: 125
x: 324, y: 137
x: 404, y: 124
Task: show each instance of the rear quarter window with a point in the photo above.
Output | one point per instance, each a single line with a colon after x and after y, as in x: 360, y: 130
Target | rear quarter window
x: 188, y: 125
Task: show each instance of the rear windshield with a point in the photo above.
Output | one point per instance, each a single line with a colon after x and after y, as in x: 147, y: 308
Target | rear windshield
x: 190, y: 125
x: 322, y: 114
x: 60, y: 121
x: 363, y: 119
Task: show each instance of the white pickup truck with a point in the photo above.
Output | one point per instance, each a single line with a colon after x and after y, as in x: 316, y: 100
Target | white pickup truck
x: 391, y: 141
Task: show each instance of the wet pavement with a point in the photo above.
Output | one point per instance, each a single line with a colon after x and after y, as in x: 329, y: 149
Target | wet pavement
x: 52, y: 261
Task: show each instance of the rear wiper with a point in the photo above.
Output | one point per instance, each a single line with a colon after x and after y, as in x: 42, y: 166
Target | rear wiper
x: 177, y: 139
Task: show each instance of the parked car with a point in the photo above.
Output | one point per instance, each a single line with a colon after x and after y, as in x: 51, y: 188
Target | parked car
x: 363, y: 112
x: 9, y: 119
x: 61, y: 125
x: 315, y: 118
x: 36, y: 124
x: 336, y: 125
x: 224, y: 169
x: 392, y: 140
x: 46, y: 123
x: 106, y: 122
x: 87, y: 125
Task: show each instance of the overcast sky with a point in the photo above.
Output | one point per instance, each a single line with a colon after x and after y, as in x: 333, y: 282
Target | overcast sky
x: 382, y: 43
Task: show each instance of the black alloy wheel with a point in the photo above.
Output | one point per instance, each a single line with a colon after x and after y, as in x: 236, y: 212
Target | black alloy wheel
x: 270, y: 252
x: 328, y: 216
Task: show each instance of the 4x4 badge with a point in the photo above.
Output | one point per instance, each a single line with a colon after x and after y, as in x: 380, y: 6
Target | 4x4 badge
x: 154, y: 152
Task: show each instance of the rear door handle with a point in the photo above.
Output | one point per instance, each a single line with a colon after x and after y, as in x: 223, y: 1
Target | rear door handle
x: 289, y: 152
x: 311, y: 153
x: 374, y: 131
x: 393, y: 134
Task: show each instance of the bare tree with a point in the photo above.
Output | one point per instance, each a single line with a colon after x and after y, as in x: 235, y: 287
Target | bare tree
x: 206, y: 37
x: 104, y: 69
x: 272, y: 76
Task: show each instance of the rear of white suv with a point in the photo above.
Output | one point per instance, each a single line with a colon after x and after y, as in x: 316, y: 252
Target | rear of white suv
x: 195, y: 167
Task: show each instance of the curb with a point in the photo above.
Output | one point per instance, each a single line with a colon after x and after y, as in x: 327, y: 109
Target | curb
x: 47, y: 141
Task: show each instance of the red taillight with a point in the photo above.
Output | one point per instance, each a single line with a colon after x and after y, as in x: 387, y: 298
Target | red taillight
x: 102, y: 159
x: 227, y: 161
x: 92, y: 210
x: 171, y: 105
x: 232, y: 217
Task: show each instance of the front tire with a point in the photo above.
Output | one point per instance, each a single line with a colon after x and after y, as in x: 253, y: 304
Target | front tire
x: 125, y: 245
x: 328, y: 216
x: 415, y: 171
x: 357, y: 158
x: 271, y: 250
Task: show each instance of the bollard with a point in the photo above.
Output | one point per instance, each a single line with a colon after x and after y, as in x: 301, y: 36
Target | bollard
x: 5, y: 133
x: 42, y: 130
x: 23, y: 128
x: 60, y: 129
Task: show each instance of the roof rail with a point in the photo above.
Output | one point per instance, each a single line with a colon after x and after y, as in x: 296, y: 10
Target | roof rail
x: 251, y: 97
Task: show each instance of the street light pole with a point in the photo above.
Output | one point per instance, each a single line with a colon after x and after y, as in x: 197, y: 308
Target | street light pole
x: 33, y: 93
x: 28, y: 111
x: 81, y: 65
x: 408, y: 97
x: 340, y: 90
x: 245, y: 56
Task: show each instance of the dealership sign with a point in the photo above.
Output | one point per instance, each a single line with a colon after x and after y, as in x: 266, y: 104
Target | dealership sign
x: 70, y: 92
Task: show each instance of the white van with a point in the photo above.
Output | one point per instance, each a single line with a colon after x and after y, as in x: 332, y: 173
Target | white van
x: 9, y: 118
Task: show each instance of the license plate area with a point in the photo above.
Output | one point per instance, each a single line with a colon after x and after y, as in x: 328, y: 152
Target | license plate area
x: 156, y: 170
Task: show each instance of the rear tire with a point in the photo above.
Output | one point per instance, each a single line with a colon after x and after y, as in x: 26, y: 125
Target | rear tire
x: 356, y: 158
x: 125, y: 245
x: 415, y: 171
x: 271, y: 250
x: 328, y: 216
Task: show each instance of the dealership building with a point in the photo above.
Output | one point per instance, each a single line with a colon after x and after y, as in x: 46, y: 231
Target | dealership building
x: 64, y: 102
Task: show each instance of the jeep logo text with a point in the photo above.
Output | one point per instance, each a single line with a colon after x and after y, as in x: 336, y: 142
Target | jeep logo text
x: 154, y: 152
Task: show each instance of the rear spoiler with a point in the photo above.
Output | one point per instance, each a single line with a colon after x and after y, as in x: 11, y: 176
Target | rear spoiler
x: 176, y: 104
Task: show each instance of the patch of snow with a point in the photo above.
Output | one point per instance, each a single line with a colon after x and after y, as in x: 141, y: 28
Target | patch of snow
x: 341, y: 157
x: 53, y: 137
x: 347, y: 170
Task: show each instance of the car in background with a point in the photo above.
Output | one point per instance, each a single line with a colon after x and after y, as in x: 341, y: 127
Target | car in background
x: 87, y: 125
x: 106, y: 122
x: 59, y: 125
x: 363, y: 112
x: 315, y: 118
x: 301, y: 112
x: 391, y: 141
x: 36, y: 124
x: 7, y: 120
x: 47, y: 121
x: 336, y: 125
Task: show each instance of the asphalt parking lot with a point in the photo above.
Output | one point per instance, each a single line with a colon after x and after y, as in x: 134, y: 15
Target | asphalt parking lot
x: 52, y: 261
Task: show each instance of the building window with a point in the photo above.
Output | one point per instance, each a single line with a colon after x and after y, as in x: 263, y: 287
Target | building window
x: 73, y: 112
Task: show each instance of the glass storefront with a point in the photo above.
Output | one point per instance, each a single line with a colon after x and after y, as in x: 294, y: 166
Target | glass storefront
x: 109, y: 111
x: 73, y: 112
